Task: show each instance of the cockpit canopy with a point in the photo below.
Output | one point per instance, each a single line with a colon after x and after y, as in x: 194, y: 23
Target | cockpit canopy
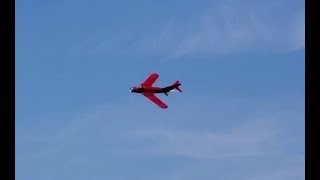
x: 136, y: 88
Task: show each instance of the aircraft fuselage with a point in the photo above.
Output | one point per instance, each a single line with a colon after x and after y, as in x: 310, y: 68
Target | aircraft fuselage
x: 141, y: 89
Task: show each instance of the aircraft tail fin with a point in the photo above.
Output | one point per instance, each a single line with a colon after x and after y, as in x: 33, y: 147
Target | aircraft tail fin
x: 176, y: 86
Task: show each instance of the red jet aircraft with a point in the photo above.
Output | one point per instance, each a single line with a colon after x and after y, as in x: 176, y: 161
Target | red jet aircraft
x: 148, y: 91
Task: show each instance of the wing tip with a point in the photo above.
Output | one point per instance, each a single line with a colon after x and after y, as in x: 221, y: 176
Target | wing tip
x: 164, y: 106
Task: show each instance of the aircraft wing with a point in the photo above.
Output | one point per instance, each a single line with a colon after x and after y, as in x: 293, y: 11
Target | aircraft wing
x: 156, y: 100
x: 150, y: 80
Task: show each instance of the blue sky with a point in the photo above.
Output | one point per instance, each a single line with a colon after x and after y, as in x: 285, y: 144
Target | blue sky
x: 240, y: 116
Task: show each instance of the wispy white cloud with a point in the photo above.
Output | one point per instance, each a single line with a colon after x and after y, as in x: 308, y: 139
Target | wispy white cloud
x: 252, y: 135
x: 246, y: 170
x: 142, y: 132
x: 293, y: 171
x: 227, y: 27
x: 250, y: 139
x: 234, y: 28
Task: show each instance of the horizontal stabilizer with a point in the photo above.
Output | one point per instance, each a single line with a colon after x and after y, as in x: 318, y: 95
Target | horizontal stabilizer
x: 176, y: 86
